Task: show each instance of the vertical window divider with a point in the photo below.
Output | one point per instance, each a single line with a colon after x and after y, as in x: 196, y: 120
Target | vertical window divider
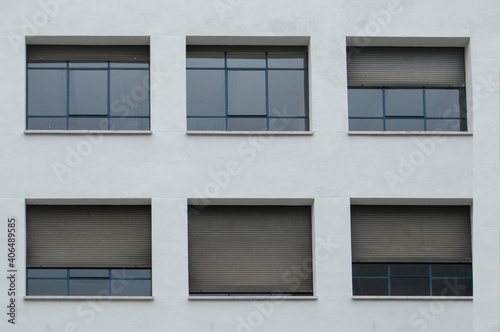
x: 383, y: 106
x: 67, y: 96
x: 67, y: 281
x: 430, y: 279
x: 389, y: 278
x: 267, y: 92
x: 424, y: 108
x: 108, y: 88
x: 226, y: 94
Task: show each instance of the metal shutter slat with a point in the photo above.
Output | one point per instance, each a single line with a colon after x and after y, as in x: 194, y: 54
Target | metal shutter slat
x: 117, y: 53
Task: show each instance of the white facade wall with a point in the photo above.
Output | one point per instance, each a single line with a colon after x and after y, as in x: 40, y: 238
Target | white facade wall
x: 329, y: 167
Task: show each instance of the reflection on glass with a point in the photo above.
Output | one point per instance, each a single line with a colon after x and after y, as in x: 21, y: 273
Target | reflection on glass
x: 452, y: 270
x: 451, y: 287
x: 404, y: 102
x: 247, y: 93
x: 88, y: 64
x: 369, y: 270
x: 47, y: 287
x: 366, y: 124
x: 46, y: 92
x: 247, y: 124
x: 88, y: 92
x: 130, y: 287
x: 365, y: 102
x: 89, y: 273
x: 205, y: 59
x: 89, y: 287
x: 370, y: 287
x: 442, y: 102
x: 410, y: 270
x: 46, y: 123
x: 47, y: 65
x: 286, y: 60
x: 404, y: 124
x: 206, y: 124
x: 131, y: 273
x: 129, y: 92
x: 287, y: 93
x: 129, y: 123
x: 88, y: 123
x: 137, y: 65
x: 410, y: 287
x: 206, y: 92
x: 446, y: 125
x: 47, y: 273
x: 246, y: 59
x: 288, y: 124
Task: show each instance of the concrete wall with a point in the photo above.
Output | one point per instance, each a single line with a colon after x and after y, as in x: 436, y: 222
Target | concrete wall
x: 328, y: 167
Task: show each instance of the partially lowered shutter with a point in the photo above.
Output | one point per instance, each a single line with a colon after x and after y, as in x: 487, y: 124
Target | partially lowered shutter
x: 118, y: 53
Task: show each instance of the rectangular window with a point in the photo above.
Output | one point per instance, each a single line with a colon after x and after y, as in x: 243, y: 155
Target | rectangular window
x: 250, y: 250
x: 406, y: 89
x: 411, y: 250
x: 246, y: 88
x: 91, y: 250
x: 87, y: 87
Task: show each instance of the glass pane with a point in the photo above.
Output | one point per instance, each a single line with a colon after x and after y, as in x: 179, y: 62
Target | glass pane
x: 451, y: 287
x: 446, y: 125
x: 205, y: 59
x: 247, y: 124
x: 370, y: 286
x: 129, y: 65
x: 247, y: 93
x: 246, y: 59
x: 409, y: 287
x: 452, y: 270
x: 206, y: 92
x: 88, y: 92
x: 47, y: 92
x: 47, y: 273
x: 369, y: 270
x: 287, y: 94
x: 404, y: 102
x: 286, y: 60
x: 442, y: 103
x: 404, y: 124
x: 129, y: 92
x: 88, y: 65
x: 130, y: 287
x: 365, y: 102
x: 284, y: 124
x: 47, y: 123
x: 88, y: 124
x: 47, y: 287
x: 410, y: 270
x: 206, y: 124
x: 47, y: 65
x: 90, y: 287
x: 129, y: 123
x: 131, y: 273
x: 89, y: 273
x: 366, y: 124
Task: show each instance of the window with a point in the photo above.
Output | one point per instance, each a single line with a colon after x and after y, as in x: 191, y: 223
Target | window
x: 87, y: 87
x: 95, y: 250
x: 245, y: 250
x: 411, y: 250
x: 406, y: 89
x: 247, y: 88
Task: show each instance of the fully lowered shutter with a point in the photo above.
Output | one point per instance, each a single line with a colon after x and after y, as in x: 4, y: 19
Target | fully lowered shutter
x: 420, y: 234
x: 250, y: 249
x: 78, y: 236
x: 405, y: 66
x: 118, y: 53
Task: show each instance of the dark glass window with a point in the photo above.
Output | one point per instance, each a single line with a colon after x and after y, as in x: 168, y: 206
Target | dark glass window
x: 247, y: 88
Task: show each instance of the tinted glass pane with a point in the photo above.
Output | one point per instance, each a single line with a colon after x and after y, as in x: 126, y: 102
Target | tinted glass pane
x: 365, y: 102
x: 88, y: 92
x: 369, y: 270
x: 442, y: 103
x: 247, y: 124
x: 88, y: 124
x: 410, y: 287
x: 130, y: 287
x: 246, y: 59
x: 452, y: 270
x: 206, y: 124
x: 129, y: 92
x: 205, y: 59
x: 285, y: 124
x: 129, y: 65
x: 89, y: 273
x: 446, y: 125
x: 47, y: 92
x: 47, y: 65
x: 366, y: 124
x: 451, y: 287
x: 410, y: 270
x: 130, y: 273
x: 47, y: 287
x: 286, y: 60
x: 47, y: 123
x: 404, y: 102
x: 47, y: 273
x: 287, y: 92
x: 247, y: 93
x: 90, y: 287
x: 404, y: 124
x: 88, y: 65
x: 370, y: 287
x: 129, y: 123
x: 206, y: 92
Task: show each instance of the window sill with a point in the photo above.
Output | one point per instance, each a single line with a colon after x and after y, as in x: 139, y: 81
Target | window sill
x: 273, y: 298
x: 410, y: 133
x: 88, y: 132
x: 251, y: 133
x: 101, y: 298
x: 430, y: 298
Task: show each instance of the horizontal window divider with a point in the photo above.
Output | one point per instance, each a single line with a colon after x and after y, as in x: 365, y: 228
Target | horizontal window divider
x: 249, y: 133
x: 407, y: 133
x: 81, y: 298
x: 427, y: 298
x: 252, y: 297
x: 88, y: 132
